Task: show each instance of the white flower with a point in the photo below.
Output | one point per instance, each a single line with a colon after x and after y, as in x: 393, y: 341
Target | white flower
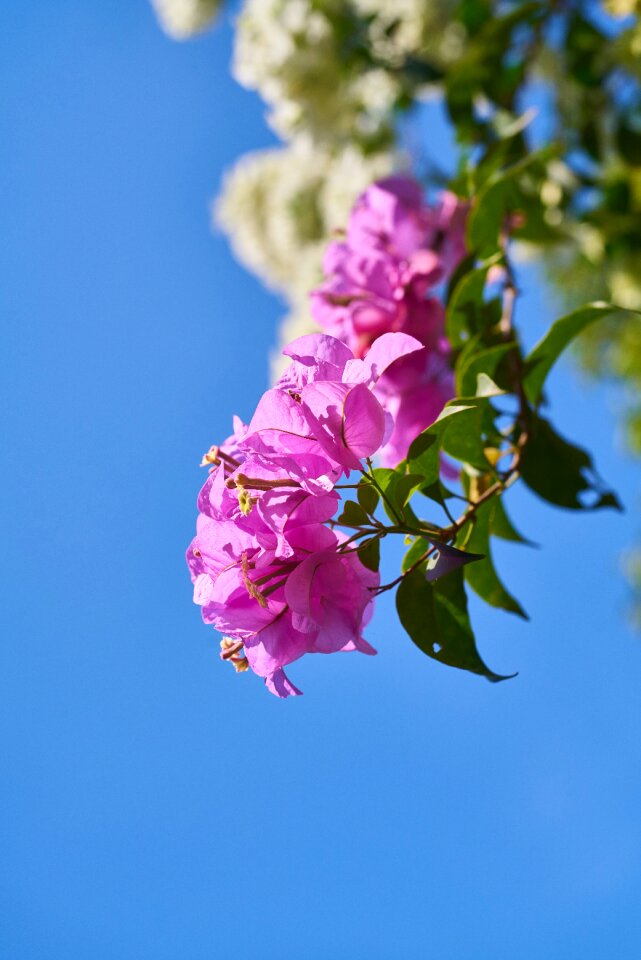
x: 182, y: 19
x: 280, y: 207
x: 333, y: 68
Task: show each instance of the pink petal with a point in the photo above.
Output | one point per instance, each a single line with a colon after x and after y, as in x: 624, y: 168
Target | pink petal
x: 383, y: 352
x: 279, y: 684
x: 348, y: 420
x: 315, y: 348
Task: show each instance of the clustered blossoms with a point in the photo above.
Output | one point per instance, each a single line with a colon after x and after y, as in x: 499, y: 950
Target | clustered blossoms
x: 335, y: 68
x: 268, y: 570
x: 385, y: 276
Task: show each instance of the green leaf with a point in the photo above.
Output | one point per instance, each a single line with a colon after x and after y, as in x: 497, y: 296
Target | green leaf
x: 482, y: 576
x: 561, y: 473
x: 424, y: 453
x: 485, y: 387
x: 545, y: 354
x: 386, y: 478
x: 397, y: 487
x: 465, y: 314
x: 369, y: 553
x: 367, y: 496
x: 501, y: 526
x: 466, y: 265
x: 500, y: 196
x: 353, y: 515
x: 464, y: 436
x: 486, y: 362
x: 435, y: 617
x: 438, y: 493
x: 457, y: 431
x: 419, y: 547
x: 404, y: 487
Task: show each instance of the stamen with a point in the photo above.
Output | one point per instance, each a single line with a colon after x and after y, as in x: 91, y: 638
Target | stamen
x: 244, y: 500
x: 250, y: 586
x: 249, y: 483
x: 229, y: 650
x: 217, y: 456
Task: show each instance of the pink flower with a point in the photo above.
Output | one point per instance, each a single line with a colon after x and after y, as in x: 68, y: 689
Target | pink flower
x: 324, y: 406
x: 267, y: 570
x: 272, y: 610
x: 382, y: 278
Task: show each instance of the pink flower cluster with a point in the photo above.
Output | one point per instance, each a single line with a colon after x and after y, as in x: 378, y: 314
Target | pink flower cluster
x: 384, y: 277
x: 268, y: 571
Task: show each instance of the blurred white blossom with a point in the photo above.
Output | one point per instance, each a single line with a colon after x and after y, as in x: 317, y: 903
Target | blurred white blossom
x: 280, y: 206
x: 335, y: 68
x: 182, y: 19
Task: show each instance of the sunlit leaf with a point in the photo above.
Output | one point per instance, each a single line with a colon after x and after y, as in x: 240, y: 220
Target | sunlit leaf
x: 487, y: 361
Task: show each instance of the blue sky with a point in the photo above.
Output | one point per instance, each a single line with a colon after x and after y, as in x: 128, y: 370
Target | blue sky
x: 155, y: 804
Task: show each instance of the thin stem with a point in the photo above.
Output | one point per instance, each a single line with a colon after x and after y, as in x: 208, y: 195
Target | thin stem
x: 421, y: 559
x: 382, y: 493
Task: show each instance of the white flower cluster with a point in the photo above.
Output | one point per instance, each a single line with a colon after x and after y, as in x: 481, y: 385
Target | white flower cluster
x: 279, y: 208
x: 333, y: 67
x: 182, y: 19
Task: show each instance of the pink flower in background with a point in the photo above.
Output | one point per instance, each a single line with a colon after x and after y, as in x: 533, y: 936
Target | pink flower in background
x: 383, y: 278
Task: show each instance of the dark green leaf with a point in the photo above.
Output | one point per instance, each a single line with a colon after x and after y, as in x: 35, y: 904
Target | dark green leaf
x: 369, y: 553
x: 629, y: 139
x: 353, y: 515
x: 417, y: 550
x: 482, y: 577
x: 438, y: 493
x: 501, y: 196
x: 545, y: 354
x: 435, y: 617
x: 485, y: 361
x: 465, y: 314
x: 458, y: 432
x: 367, y: 496
x: 560, y: 472
x: 501, y: 525
x: 466, y: 265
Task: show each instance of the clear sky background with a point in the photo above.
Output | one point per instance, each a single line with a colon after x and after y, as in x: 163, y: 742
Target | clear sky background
x: 155, y: 804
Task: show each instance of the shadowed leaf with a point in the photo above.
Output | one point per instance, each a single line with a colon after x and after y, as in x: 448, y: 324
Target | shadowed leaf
x: 435, y: 617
